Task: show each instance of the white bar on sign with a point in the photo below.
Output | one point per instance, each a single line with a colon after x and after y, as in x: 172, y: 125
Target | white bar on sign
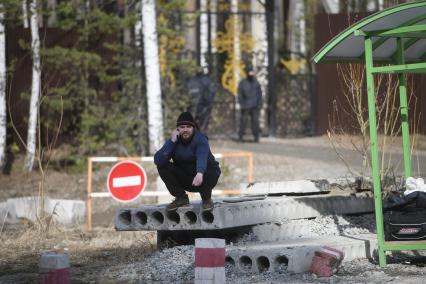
x: 126, y: 181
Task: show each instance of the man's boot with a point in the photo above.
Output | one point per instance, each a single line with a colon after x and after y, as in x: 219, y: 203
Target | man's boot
x: 207, y: 205
x: 179, y: 201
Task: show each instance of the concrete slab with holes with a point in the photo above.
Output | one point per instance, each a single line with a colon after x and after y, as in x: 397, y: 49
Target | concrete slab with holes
x: 241, y: 211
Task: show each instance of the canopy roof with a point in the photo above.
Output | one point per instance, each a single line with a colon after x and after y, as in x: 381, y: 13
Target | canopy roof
x: 406, y: 20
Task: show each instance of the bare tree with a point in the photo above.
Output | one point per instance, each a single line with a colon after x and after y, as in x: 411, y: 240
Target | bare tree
x: 35, y: 88
x: 2, y: 88
x: 353, y: 108
x: 152, y: 71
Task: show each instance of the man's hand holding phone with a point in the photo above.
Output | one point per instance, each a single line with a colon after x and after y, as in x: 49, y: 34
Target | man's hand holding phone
x: 175, y: 135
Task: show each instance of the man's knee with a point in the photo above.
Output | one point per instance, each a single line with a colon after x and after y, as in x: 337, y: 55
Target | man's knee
x: 166, y: 167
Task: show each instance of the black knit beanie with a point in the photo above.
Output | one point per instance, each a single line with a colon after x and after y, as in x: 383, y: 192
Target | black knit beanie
x: 185, y: 118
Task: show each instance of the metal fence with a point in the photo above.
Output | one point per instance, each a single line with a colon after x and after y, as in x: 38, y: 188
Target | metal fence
x: 296, y: 104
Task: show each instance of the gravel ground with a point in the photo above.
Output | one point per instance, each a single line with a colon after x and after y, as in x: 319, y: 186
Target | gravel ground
x: 176, y: 265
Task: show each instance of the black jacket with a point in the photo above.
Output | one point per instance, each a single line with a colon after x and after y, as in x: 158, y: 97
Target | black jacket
x: 249, y: 94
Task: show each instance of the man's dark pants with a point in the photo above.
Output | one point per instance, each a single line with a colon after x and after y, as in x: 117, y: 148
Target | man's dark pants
x: 254, y: 115
x: 178, y: 179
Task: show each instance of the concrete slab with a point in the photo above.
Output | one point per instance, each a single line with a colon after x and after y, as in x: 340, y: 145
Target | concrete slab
x: 306, y: 186
x: 26, y: 207
x: 236, y: 214
x: 67, y: 211
x: 271, y: 232
x: 7, y: 214
x: 64, y: 211
x: 296, y: 255
x: 284, y: 187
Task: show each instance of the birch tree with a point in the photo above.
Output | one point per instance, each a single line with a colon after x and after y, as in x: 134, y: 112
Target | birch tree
x: 35, y: 88
x: 2, y: 88
x: 331, y: 6
x: 152, y: 71
x: 203, y: 33
x: 25, y: 13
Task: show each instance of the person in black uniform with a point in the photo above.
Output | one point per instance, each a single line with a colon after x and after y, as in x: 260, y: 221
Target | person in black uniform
x: 250, y: 100
x: 202, y: 91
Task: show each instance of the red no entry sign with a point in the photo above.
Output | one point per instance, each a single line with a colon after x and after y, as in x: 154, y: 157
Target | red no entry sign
x: 126, y: 180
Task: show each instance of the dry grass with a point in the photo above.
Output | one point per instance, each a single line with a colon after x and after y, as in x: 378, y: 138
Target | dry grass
x: 22, y: 245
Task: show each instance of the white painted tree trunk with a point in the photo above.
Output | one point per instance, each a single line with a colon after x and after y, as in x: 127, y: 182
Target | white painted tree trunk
x: 204, y: 37
x: 374, y: 5
x: 2, y: 89
x: 213, y: 25
x: 297, y: 28
x: 237, y: 51
x: 260, y: 60
x: 152, y: 71
x: 25, y: 13
x: 35, y: 88
x: 331, y: 6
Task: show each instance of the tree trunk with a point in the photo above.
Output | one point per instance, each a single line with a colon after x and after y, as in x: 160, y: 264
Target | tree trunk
x: 203, y: 33
x: 2, y: 89
x: 331, y: 6
x: 152, y: 71
x: 35, y: 88
x: 25, y: 13
x: 53, y: 17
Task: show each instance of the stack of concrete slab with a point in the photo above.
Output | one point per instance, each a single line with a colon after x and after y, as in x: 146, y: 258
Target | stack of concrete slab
x: 229, y: 213
x: 264, y: 205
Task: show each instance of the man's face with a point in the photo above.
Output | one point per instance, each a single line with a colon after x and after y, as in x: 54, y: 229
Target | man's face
x: 185, y: 132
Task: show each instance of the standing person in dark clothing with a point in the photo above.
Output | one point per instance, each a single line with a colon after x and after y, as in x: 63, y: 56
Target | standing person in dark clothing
x: 203, y: 91
x: 250, y: 100
x: 193, y: 167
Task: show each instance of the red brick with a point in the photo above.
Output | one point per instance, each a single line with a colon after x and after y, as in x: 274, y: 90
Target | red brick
x: 326, y: 261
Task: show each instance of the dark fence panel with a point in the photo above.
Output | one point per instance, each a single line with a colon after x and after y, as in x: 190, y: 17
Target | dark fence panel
x: 295, y: 102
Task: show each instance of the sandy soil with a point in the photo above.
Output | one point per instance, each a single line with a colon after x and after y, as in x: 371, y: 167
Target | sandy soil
x: 96, y: 254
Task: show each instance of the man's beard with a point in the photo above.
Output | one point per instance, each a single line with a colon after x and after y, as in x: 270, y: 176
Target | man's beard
x: 186, y: 140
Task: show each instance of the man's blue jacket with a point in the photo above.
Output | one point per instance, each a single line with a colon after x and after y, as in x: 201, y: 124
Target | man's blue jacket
x: 196, y: 152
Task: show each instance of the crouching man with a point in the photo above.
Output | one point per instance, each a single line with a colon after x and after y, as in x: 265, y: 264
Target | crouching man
x: 185, y: 163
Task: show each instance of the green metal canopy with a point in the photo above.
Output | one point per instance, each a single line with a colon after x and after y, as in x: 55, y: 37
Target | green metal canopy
x: 395, y: 38
x: 408, y: 19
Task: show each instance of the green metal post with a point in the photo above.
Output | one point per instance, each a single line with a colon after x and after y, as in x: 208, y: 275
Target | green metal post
x: 404, y: 111
x: 374, y: 148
